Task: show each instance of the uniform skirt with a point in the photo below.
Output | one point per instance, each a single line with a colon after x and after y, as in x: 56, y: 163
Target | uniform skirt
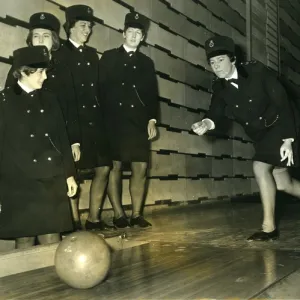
x: 94, y: 149
x: 31, y: 207
x: 129, y: 143
x: 267, y: 147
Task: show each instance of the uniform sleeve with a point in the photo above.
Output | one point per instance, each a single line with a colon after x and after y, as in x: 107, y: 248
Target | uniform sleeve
x: 216, y: 111
x: 68, y: 162
x: 2, y: 126
x: 71, y: 108
x: 152, y: 103
x: 10, y: 79
x: 102, y: 77
x: 279, y: 98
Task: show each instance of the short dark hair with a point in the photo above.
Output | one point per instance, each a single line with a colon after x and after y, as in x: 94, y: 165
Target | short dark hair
x: 27, y: 70
x: 128, y: 26
x: 55, y: 40
x: 71, y: 23
x: 231, y: 55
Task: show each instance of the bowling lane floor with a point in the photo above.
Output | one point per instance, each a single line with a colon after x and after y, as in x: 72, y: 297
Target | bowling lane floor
x: 192, y: 252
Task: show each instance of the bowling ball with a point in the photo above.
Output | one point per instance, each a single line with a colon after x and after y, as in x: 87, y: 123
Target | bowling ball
x: 82, y: 259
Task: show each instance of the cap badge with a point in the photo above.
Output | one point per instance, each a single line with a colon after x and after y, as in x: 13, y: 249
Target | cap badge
x: 136, y: 16
x: 42, y: 17
x: 211, y: 43
x: 45, y: 52
x: 89, y: 10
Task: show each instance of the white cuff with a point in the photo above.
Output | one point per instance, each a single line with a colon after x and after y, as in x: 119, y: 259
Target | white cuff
x: 154, y: 120
x: 76, y: 144
x: 291, y: 139
x: 210, y: 123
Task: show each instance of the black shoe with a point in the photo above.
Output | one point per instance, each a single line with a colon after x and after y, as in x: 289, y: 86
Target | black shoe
x: 101, y: 225
x: 264, y: 236
x: 140, y: 221
x: 121, y: 222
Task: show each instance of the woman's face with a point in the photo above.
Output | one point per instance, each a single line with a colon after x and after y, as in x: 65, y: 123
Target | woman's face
x: 80, y: 32
x: 41, y: 36
x: 34, y: 80
x: 222, y: 66
x: 133, y: 37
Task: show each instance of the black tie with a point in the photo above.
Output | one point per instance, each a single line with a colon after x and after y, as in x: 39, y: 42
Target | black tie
x: 233, y: 80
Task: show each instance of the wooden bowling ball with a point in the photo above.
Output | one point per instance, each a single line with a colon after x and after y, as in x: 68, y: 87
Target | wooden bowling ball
x: 82, y: 260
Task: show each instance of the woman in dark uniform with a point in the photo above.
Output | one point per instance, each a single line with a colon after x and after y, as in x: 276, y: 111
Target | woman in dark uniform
x: 252, y: 96
x: 129, y: 93
x: 36, y: 165
x: 44, y: 30
x: 82, y: 61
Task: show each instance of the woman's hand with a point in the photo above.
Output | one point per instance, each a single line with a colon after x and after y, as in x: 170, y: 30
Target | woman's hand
x: 200, y: 128
x: 76, y: 152
x: 286, y: 152
x: 152, y: 131
x: 72, y: 186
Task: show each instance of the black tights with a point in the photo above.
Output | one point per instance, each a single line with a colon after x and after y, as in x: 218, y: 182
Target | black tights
x: 136, y: 187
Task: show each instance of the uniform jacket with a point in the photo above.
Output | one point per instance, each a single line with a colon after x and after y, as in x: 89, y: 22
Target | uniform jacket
x: 33, y: 134
x: 128, y: 87
x: 83, y: 64
x: 59, y: 81
x: 259, y: 102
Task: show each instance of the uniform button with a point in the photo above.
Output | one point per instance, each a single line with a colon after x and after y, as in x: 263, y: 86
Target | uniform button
x: 3, y: 99
x: 120, y: 103
x: 91, y: 123
x: 83, y: 106
x: 34, y: 160
x: 250, y: 100
x: 260, y: 118
x: 53, y: 76
x: 134, y: 86
x: 92, y: 84
x: 32, y: 95
x: 82, y: 84
x: 236, y: 106
x: 88, y: 63
x: 46, y: 134
x: 123, y: 83
x: 94, y: 106
x: 41, y: 111
x: 28, y: 111
x: 132, y: 105
x: 134, y: 67
x: 78, y: 64
x: 247, y: 123
x: 49, y: 158
x: 32, y: 135
x: 125, y: 65
x: 80, y: 50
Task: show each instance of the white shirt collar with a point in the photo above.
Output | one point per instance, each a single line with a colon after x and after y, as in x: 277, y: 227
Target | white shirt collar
x: 234, y: 75
x: 128, y: 49
x: 76, y: 45
x: 24, y: 87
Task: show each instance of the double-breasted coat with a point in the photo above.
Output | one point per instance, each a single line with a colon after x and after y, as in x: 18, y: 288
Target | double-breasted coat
x: 83, y: 64
x: 260, y: 104
x: 35, y: 161
x: 129, y: 94
x: 60, y: 82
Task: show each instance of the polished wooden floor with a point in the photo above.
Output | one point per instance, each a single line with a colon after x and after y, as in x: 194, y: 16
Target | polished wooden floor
x: 193, y: 252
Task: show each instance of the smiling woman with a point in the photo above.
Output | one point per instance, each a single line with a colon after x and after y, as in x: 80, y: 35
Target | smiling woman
x: 36, y: 166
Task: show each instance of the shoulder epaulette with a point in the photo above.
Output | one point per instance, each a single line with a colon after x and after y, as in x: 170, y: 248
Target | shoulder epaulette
x: 249, y: 62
